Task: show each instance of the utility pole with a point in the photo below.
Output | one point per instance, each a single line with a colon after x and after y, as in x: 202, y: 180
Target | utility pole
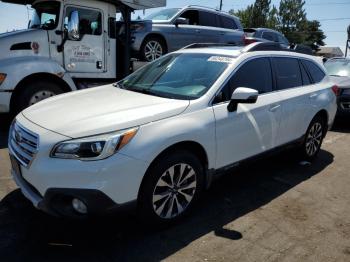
x: 347, y: 45
x: 220, y: 5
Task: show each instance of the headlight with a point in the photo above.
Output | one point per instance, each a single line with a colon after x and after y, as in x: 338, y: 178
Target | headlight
x: 2, y: 77
x: 94, y: 147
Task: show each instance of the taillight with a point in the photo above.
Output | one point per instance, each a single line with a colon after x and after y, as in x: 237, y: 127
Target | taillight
x: 336, y: 90
x: 248, y: 41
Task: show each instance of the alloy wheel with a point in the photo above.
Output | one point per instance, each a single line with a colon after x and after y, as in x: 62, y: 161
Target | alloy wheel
x: 314, y: 139
x: 153, y: 50
x: 174, y: 191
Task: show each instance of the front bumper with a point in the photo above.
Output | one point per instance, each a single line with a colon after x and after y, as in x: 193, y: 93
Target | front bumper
x: 58, y: 201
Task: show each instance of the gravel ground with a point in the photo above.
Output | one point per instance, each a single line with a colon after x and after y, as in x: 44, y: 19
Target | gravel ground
x: 277, y: 209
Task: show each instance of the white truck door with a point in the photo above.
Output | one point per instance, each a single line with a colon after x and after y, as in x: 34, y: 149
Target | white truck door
x: 87, y: 55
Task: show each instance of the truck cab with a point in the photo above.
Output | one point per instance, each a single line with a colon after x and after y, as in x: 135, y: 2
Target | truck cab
x: 68, y: 45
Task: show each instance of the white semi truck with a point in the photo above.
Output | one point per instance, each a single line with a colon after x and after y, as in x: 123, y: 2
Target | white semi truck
x: 69, y: 45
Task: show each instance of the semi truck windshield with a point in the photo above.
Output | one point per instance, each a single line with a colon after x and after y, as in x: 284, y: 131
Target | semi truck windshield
x: 45, y: 15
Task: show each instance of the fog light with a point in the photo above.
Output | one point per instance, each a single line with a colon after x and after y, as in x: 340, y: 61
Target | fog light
x: 79, y: 206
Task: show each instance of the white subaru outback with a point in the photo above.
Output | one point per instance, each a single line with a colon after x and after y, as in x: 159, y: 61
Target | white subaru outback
x: 159, y: 137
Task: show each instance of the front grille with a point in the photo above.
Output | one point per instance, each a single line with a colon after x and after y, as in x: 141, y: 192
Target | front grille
x: 23, y: 144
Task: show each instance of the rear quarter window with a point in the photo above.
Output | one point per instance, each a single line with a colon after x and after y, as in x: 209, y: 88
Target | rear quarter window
x: 315, y: 71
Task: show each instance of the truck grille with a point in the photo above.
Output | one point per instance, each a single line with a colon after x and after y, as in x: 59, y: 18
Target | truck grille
x: 23, y: 144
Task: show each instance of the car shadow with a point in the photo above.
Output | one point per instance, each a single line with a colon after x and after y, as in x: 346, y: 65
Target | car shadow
x: 30, y: 235
x: 5, y: 122
x: 342, y: 124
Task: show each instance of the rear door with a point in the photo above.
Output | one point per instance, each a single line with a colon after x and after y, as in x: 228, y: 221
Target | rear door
x: 296, y: 89
x: 208, y: 26
x: 253, y: 128
x: 229, y: 31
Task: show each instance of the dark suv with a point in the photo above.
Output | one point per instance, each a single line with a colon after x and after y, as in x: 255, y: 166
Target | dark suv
x: 171, y: 29
x: 265, y: 35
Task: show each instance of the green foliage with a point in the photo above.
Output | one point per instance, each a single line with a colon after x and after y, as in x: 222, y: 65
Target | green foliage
x: 290, y: 19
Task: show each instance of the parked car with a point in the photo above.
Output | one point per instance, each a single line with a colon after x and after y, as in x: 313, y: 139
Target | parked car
x: 265, y: 35
x: 160, y: 136
x: 339, y: 71
x: 171, y: 29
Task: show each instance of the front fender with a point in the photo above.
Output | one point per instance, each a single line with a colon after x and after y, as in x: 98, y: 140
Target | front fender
x: 19, y: 68
x: 153, y: 138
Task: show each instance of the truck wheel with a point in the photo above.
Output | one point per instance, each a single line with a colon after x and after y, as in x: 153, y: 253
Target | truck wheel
x: 171, y: 188
x: 313, y: 139
x: 153, y: 48
x: 35, y: 92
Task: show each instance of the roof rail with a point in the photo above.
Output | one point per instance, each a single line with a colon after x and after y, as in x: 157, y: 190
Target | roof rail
x: 264, y: 46
x: 206, y: 7
x: 204, y: 45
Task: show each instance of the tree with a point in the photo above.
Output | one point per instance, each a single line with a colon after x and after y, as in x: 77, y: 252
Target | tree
x: 245, y: 15
x: 292, y: 18
x: 314, y: 36
x: 272, y: 19
x: 261, y: 10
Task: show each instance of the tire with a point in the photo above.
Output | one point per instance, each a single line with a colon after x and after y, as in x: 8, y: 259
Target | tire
x: 158, y: 193
x: 153, y: 48
x: 313, y: 139
x: 35, y: 92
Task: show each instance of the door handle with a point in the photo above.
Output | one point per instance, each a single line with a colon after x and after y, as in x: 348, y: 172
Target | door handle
x: 274, y: 108
x: 312, y: 96
x: 222, y: 33
x: 198, y: 31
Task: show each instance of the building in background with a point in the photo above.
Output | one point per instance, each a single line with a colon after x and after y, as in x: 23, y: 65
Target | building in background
x: 329, y: 52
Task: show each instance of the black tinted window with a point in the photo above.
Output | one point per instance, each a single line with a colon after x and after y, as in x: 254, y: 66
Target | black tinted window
x: 269, y: 36
x: 228, y: 23
x: 287, y: 73
x: 207, y: 19
x: 90, y: 21
x: 192, y: 16
x: 112, y: 27
x: 304, y: 75
x: 255, y: 74
x: 316, y: 73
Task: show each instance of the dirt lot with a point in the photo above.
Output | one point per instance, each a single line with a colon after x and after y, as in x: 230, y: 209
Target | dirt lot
x: 272, y: 210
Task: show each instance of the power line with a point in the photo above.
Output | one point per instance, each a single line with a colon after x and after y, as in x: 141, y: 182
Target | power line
x: 334, y: 19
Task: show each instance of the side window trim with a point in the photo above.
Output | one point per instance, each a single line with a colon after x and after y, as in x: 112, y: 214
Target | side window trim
x: 223, y: 85
x: 301, y: 65
x: 87, y: 8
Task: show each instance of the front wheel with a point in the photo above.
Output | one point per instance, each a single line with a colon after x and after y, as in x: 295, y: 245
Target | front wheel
x: 313, y: 138
x: 171, y: 187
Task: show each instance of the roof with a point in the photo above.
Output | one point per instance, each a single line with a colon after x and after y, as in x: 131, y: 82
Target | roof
x: 330, y: 50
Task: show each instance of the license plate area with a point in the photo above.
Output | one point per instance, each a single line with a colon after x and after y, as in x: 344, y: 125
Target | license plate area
x: 16, y: 166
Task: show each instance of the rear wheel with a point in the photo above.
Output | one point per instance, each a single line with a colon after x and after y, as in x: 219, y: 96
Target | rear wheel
x: 313, y: 138
x: 171, y: 187
x: 35, y: 92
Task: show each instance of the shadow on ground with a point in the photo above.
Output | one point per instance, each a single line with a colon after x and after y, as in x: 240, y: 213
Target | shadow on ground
x: 5, y: 121
x: 29, y: 235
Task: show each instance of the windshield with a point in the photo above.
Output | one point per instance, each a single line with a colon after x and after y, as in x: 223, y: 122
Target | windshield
x: 163, y: 15
x: 339, y: 67
x: 178, y: 76
x: 45, y: 15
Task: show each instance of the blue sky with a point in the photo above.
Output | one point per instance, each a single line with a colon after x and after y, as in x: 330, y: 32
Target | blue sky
x: 327, y: 11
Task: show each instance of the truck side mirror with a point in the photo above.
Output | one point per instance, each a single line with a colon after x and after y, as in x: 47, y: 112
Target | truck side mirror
x: 73, y: 26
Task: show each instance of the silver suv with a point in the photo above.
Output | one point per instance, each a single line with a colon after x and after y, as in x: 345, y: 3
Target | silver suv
x: 171, y: 29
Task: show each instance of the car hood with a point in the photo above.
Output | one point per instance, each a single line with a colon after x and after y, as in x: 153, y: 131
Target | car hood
x: 101, y: 110
x: 341, y: 81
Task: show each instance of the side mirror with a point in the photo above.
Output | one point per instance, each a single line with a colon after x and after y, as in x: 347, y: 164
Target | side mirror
x: 73, y: 26
x: 242, y: 95
x: 181, y: 21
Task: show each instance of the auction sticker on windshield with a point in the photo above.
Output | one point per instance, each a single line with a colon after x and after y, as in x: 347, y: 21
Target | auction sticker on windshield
x: 221, y: 59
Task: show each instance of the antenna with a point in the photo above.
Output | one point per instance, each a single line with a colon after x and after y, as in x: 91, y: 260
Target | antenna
x: 220, y: 5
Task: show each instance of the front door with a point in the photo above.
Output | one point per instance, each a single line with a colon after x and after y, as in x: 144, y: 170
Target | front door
x: 252, y: 128
x: 87, y: 54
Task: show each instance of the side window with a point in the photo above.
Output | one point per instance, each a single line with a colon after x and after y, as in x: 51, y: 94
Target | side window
x: 316, y: 73
x: 207, y: 19
x: 287, y: 73
x: 304, y: 75
x: 90, y: 21
x: 268, y: 36
x: 282, y: 39
x: 192, y: 16
x: 255, y: 74
x: 228, y: 23
x: 112, y: 27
